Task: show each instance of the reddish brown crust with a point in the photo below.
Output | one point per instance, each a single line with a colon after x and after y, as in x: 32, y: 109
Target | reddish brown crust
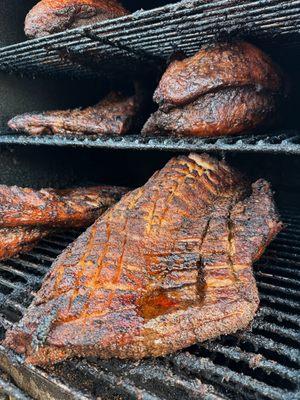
x: 216, y: 67
x: 31, y: 215
x: 51, y: 16
x: 224, y: 89
x: 226, y: 112
x: 19, y: 240
x: 72, y: 208
x: 112, y: 115
x: 167, y: 266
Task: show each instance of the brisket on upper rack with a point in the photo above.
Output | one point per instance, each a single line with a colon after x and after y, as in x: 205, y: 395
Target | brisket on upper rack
x: 169, y: 265
x: 225, y: 88
x: 51, y: 16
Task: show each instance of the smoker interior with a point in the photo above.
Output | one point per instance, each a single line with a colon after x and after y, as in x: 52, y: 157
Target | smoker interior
x: 260, y: 363
x: 89, y: 61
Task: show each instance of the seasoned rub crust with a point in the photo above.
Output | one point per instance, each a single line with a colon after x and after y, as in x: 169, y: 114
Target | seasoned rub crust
x: 227, y: 112
x: 112, y: 115
x: 51, y: 16
x: 69, y: 208
x: 19, y: 240
x: 215, y: 67
x: 224, y: 89
x: 169, y: 265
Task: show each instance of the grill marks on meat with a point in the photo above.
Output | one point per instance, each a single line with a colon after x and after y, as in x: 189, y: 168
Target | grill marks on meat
x: 28, y: 215
x: 114, y: 114
x: 51, y: 16
x: 169, y: 265
x: 225, y: 88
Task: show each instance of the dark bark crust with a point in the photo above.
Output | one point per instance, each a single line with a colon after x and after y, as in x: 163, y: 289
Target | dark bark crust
x: 169, y: 265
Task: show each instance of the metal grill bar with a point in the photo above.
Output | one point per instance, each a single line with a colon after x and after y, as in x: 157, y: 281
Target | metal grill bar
x: 151, y: 43
x: 11, y: 390
x: 261, y: 363
x: 233, y: 353
x: 232, y: 381
x: 153, y: 35
x: 275, y: 142
x: 27, y: 266
x: 262, y: 345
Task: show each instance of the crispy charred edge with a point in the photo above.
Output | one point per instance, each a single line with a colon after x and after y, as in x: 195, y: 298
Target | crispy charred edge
x: 172, y: 337
x: 253, y: 206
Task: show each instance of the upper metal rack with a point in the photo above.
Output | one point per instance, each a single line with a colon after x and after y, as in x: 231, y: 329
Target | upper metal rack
x: 151, y: 37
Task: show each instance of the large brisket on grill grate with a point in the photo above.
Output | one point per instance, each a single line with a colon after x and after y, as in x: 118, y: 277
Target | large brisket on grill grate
x: 167, y: 266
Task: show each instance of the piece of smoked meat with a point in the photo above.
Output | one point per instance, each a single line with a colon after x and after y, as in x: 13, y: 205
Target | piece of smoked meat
x: 167, y: 266
x: 27, y: 215
x: 115, y: 114
x: 225, y: 88
x: 67, y: 208
x: 231, y: 110
x: 20, y: 240
x: 52, y: 16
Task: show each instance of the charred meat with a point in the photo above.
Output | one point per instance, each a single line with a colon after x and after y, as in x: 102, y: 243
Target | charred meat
x: 115, y: 114
x: 20, y: 239
x: 167, y: 266
x: 224, y: 89
x: 27, y: 215
x: 51, y: 16
x: 69, y: 208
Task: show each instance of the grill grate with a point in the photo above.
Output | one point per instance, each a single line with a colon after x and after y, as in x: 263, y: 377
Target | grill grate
x: 151, y: 37
x: 261, y: 363
x: 280, y: 142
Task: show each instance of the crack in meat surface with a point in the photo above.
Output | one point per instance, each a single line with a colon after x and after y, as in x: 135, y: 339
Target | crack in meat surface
x: 169, y: 265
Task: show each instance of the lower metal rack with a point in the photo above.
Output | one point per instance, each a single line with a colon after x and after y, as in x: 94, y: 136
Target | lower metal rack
x: 260, y: 363
x: 277, y: 142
